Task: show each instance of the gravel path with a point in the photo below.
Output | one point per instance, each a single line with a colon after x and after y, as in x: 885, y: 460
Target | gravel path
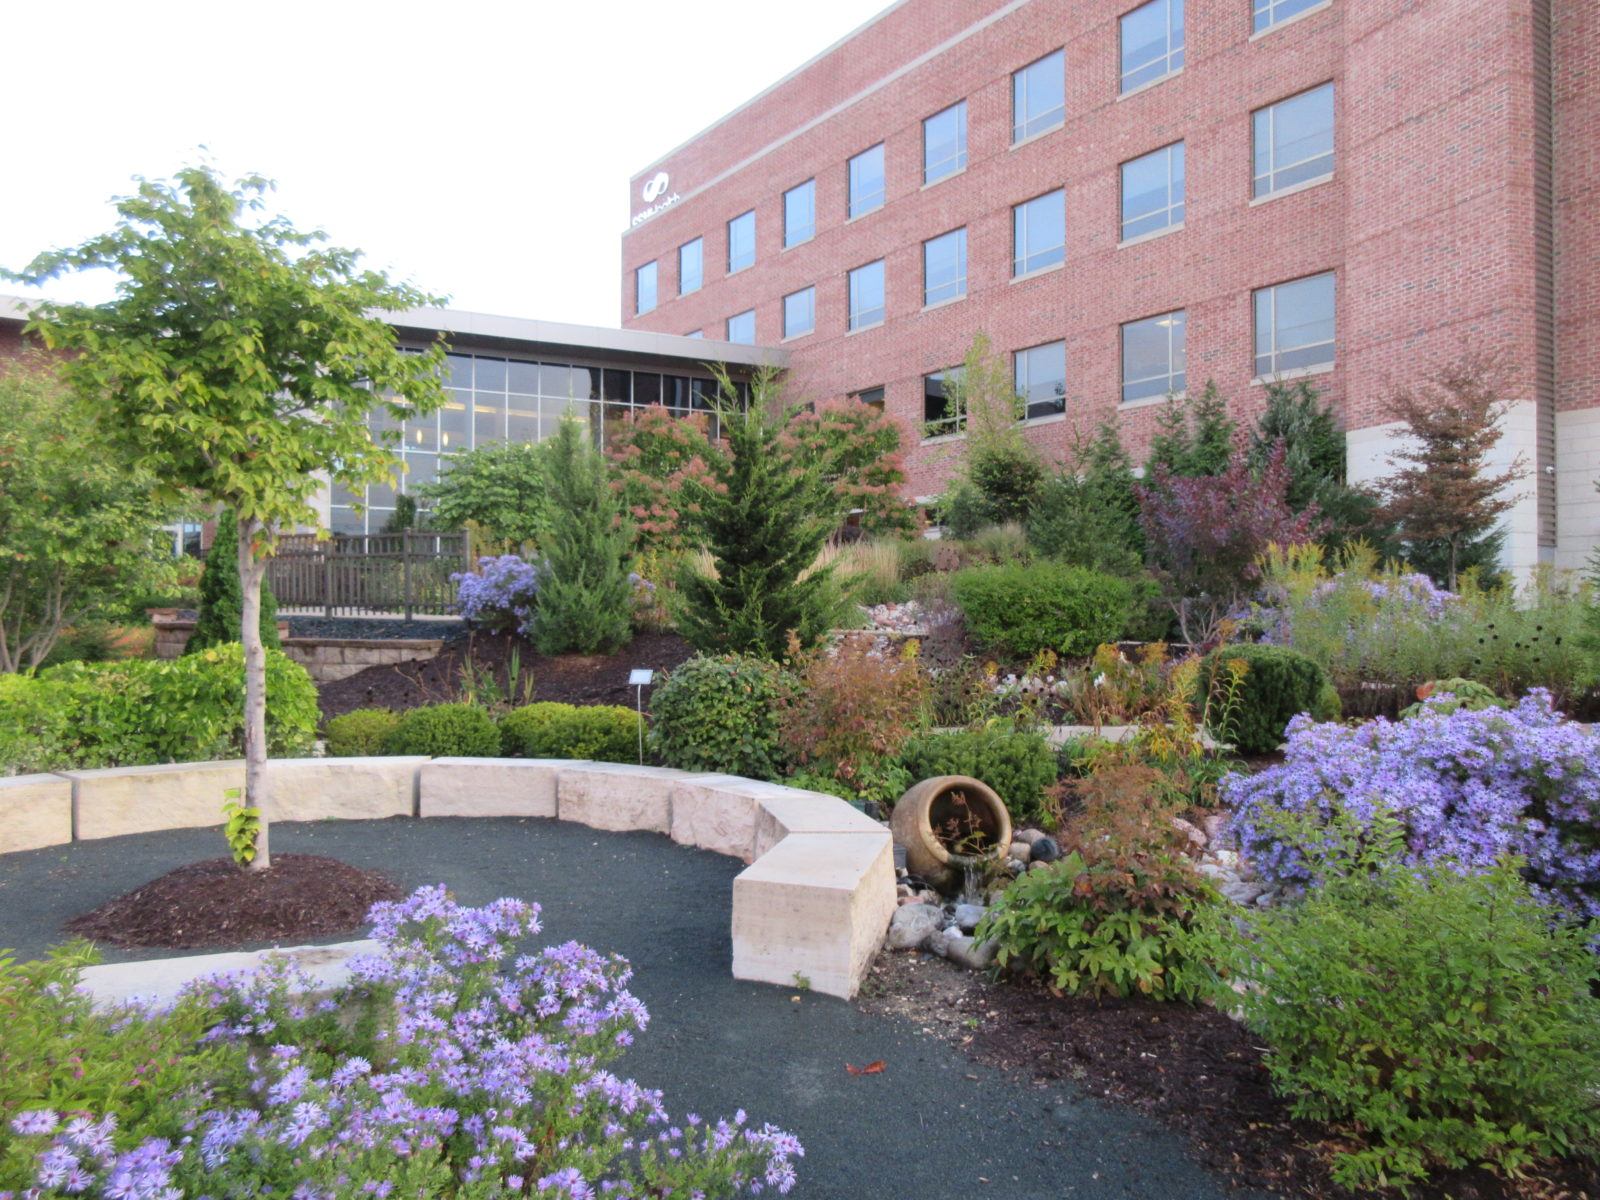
x: 932, y: 1126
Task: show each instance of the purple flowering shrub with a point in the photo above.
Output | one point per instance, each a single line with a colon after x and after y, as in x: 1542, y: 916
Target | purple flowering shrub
x: 500, y: 595
x: 451, y: 1065
x: 1468, y: 786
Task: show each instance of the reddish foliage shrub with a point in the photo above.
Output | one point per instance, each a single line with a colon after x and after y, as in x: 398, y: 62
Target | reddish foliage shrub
x: 854, y: 707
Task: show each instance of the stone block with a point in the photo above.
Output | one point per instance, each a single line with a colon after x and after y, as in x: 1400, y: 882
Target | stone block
x: 716, y: 813
x: 118, y: 800
x: 617, y: 796
x: 781, y: 811
x: 35, y: 811
x: 111, y: 984
x: 316, y: 789
x: 813, y: 911
x: 490, y: 787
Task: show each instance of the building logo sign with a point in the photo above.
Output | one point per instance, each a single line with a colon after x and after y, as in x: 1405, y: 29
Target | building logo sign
x: 657, y: 196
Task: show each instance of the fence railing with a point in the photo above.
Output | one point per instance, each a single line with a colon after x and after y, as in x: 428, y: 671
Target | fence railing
x: 368, y: 574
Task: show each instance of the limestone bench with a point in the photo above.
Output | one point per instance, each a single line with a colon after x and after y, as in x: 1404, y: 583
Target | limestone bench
x: 811, y: 907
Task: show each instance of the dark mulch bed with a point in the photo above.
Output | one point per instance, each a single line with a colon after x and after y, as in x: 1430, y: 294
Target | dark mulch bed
x: 371, y: 628
x: 213, y: 903
x: 571, y: 678
x: 1192, y: 1068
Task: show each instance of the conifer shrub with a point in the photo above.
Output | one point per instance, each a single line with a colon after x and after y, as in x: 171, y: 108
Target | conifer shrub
x: 444, y: 731
x: 1278, y: 685
x: 222, y: 601
x: 1019, y: 765
x: 1023, y: 610
x: 360, y: 733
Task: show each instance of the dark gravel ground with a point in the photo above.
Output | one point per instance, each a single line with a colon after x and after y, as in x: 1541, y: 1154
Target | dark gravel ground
x: 933, y: 1125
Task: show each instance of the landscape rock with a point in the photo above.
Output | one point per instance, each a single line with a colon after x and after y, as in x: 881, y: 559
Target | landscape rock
x: 1216, y: 825
x: 970, y: 953
x: 912, y: 924
x: 1036, y: 865
x: 968, y: 915
x: 1197, y: 839
x: 1016, y: 866
x: 1027, y: 836
x: 1021, y: 850
x: 1241, y: 891
x: 1046, y: 850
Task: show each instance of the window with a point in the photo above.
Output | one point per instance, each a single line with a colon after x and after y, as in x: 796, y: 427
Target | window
x: 691, y: 266
x: 944, y: 268
x: 1152, y: 192
x: 866, y: 295
x: 941, y: 405
x: 871, y: 397
x: 866, y: 181
x: 1152, y: 43
x: 800, y: 312
x: 1275, y: 12
x: 742, y: 328
x: 1041, y: 374
x: 944, y: 143
x: 695, y: 333
x: 1038, y: 96
x: 742, y: 242
x: 1154, y: 357
x: 800, y: 214
x: 1294, y: 141
x: 1294, y: 326
x: 1039, y: 233
x: 644, y: 289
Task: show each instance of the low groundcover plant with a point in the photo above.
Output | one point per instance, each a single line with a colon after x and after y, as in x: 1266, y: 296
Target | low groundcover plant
x: 451, y: 1065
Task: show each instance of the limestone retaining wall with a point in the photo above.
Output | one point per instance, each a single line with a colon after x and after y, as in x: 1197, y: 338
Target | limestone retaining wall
x: 810, y: 910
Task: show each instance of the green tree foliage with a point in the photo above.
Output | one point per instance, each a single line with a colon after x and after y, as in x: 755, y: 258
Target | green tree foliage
x: 501, y: 488
x: 1000, y: 473
x: 721, y: 713
x: 659, y: 462
x: 764, y: 515
x: 857, y: 448
x: 1443, y: 497
x: 1087, y: 514
x: 404, y: 517
x: 75, y: 518
x: 1023, y: 609
x: 220, y: 600
x: 237, y: 366
x: 585, y: 596
x: 1278, y: 685
x: 1194, y: 435
x: 1314, y: 452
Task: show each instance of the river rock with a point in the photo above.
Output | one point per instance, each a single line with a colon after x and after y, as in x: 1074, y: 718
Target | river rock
x: 912, y: 924
x: 1046, y: 850
x: 1027, y: 836
x: 970, y: 953
x: 1197, y: 839
x: 1020, y: 849
x: 968, y: 915
x: 1241, y: 891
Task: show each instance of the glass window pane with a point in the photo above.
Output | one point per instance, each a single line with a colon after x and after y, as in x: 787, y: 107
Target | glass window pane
x: 555, y: 379
x: 866, y: 181
x: 944, y: 143
x: 691, y: 266
x: 1041, y: 379
x: 1039, y: 233
x: 420, y: 469
x: 872, y: 397
x: 421, y: 433
x: 1295, y: 325
x: 944, y: 268
x: 1274, y: 12
x: 800, y: 312
x: 938, y: 406
x: 459, y: 370
x: 522, y: 419
x: 346, y: 520
x: 490, y: 374
x: 646, y: 387
x: 742, y: 328
x: 1293, y: 140
x: 866, y: 295
x: 645, y: 289
x: 455, y: 421
x: 1152, y: 192
x: 522, y: 377
x: 741, y: 242
x: 800, y: 213
x: 1152, y: 42
x: 614, y: 386
x: 1153, y: 356
x: 488, y: 419
x: 1039, y: 96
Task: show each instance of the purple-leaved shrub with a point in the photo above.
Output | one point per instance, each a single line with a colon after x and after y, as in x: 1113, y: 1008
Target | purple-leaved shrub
x: 1467, y: 786
x: 451, y: 1065
x: 500, y: 595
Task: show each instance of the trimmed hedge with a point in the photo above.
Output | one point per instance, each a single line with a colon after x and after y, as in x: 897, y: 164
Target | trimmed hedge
x: 360, y: 733
x: 1021, y: 610
x: 444, y: 731
x: 601, y: 732
x: 1019, y: 766
x: 144, y: 711
x: 1278, y: 685
x: 720, y: 713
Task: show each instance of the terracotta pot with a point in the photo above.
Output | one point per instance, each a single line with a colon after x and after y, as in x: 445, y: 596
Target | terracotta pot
x: 922, y: 822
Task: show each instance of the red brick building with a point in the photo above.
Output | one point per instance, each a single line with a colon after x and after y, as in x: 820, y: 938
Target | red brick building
x: 1130, y: 198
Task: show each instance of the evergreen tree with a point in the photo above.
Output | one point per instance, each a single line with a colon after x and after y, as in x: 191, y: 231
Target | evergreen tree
x: 1088, y: 514
x: 765, y: 513
x: 585, y: 595
x: 1001, y: 472
x: 1194, y: 436
x: 221, y: 599
x: 1444, y: 500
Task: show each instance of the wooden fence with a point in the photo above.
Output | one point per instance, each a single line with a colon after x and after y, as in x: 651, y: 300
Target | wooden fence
x: 370, y: 574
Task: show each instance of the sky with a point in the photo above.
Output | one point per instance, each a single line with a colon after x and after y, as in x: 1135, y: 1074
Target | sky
x: 480, y: 150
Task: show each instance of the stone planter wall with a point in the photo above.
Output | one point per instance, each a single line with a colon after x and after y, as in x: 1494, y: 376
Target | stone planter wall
x: 811, y: 908
x: 326, y: 659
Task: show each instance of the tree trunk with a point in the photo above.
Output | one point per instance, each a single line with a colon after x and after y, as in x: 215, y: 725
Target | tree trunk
x: 251, y: 572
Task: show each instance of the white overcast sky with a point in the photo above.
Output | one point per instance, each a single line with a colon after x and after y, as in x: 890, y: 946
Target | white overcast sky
x: 481, y: 150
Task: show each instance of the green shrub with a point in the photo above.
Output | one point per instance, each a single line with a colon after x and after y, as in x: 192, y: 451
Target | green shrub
x: 721, y: 714
x: 360, y: 733
x: 1463, y: 693
x: 1018, y: 765
x: 142, y: 711
x: 1443, y: 1019
x: 444, y: 730
x: 222, y: 599
x: 601, y: 732
x: 1021, y: 610
x: 1278, y: 685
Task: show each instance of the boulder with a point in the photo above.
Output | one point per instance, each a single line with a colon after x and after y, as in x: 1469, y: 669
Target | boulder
x: 1046, y: 849
x: 968, y: 915
x: 912, y: 924
x: 970, y: 953
x: 1020, y: 850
